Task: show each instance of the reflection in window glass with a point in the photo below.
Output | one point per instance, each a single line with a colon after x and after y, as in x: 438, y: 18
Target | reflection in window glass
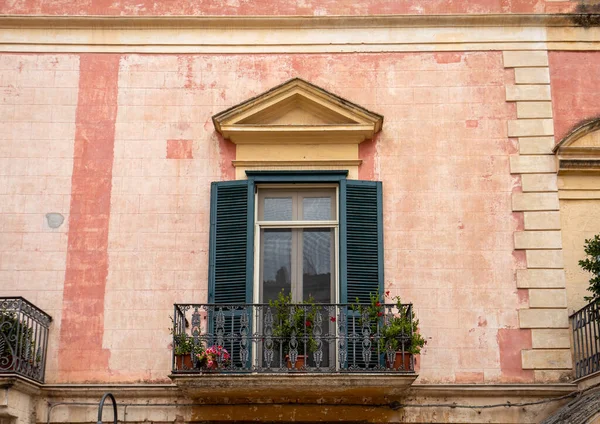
x: 276, y: 262
x: 278, y: 209
x: 316, y: 208
x: 316, y: 258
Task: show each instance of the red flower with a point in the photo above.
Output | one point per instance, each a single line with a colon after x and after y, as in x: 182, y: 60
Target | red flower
x: 379, y: 314
x: 332, y: 319
x: 378, y: 304
x: 308, y: 323
x: 387, y: 293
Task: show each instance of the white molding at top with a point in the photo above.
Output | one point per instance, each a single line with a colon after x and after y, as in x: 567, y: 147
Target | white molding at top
x: 293, y: 34
x: 290, y: 21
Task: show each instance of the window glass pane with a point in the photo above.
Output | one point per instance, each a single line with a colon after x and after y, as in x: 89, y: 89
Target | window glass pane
x: 316, y: 264
x: 276, y: 262
x: 316, y: 209
x: 278, y: 209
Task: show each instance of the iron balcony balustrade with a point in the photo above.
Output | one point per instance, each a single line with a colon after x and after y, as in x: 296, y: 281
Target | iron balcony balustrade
x: 586, y: 339
x: 259, y: 338
x: 23, y: 338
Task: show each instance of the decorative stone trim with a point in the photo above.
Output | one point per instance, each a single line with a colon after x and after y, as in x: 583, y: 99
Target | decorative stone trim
x: 544, y: 279
x: 297, y: 124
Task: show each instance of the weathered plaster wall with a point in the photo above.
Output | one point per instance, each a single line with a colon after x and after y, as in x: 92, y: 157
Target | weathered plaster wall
x: 37, y: 109
x: 166, y: 155
x: 443, y: 157
x: 282, y: 7
x: 159, y: 221
x: 575, y: 83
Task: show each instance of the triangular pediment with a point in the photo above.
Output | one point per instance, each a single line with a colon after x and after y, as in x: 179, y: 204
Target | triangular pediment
x: 579, y: 151
x: 297, y: 112
x: 584, y: 138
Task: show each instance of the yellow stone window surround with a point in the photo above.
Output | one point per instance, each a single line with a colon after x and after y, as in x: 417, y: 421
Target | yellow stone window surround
x: 297, y: 125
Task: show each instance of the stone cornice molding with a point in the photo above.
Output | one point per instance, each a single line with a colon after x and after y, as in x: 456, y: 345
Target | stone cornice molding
x: 294, y: 34
x: 293, y: 21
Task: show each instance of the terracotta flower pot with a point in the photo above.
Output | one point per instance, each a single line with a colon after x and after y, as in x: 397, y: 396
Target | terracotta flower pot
x: 299, y: 362
x: 183, y: 362
x: 401, y: 362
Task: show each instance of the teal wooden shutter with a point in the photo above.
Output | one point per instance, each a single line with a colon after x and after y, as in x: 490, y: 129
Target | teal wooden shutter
x: 361, y: 240
x: 231, y: 255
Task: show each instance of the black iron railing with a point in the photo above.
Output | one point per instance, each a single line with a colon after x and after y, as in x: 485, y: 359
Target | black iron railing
x: 259, y: 338
x: 23, y: 338
x: 586, y: 339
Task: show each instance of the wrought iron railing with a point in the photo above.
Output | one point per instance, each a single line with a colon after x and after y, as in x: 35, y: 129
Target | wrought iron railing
x: 23, y: 338
x: 258, y: 338
x: 586, y: 339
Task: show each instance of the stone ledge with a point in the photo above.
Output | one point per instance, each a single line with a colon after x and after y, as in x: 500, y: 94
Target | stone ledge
x: 20, y: 383
x: 285, y: 388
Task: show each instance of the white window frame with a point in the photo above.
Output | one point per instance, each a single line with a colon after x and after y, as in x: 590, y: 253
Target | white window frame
x: 294, y: 224
x: 258, y: 225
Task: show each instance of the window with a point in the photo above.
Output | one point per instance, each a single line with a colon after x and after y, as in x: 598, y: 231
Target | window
x: 358, y: 261
x: 296, y: 232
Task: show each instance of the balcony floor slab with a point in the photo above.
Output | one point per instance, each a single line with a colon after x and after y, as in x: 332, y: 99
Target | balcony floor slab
x: 364, y: 389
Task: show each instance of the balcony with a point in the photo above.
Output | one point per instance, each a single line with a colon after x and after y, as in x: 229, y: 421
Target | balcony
x: 249, y: 351
x: 23, y: 338
x: 586, y: 339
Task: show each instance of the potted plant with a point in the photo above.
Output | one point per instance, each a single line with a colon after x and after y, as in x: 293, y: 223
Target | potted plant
x: 213, y: 358
x: 294, y: 328
x: 185, y: 349
x: 398, y: 339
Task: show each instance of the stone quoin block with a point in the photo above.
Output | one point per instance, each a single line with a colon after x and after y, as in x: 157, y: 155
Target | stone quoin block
x: 541, y: 278
x: 538, y: 240
x: 532, y: 164
x: 532, y: 76
x: 515, y: 93
x: 528, y: 110
x: 547, y: 298
x: 535, y: 202
x: 536, y: 145
x: 523, y: 59
x: 547, y: 359
x: 543, y: 318
x: 556, y: 338
x: 539, y: 182
x: 530, y: 127
x: 544, y: 258
x: 542, y: 220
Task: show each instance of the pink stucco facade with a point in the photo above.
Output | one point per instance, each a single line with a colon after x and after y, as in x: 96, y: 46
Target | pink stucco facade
x: 114, y: 137
x: 448, y: 221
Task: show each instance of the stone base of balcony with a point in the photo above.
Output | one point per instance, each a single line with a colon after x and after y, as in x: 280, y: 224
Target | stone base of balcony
x: 364, y: 389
